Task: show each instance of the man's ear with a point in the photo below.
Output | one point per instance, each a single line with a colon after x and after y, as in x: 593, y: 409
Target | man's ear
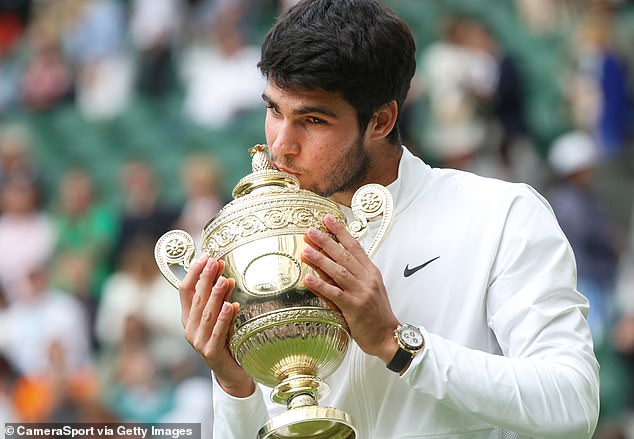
x: 383, y: 121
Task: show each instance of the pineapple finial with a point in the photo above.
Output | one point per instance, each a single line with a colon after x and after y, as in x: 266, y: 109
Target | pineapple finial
x: 260, y: 160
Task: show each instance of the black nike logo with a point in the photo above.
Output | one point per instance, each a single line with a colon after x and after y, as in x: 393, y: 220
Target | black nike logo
x: 409, y: 271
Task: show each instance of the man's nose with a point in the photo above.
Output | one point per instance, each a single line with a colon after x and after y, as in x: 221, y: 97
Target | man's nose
x: 286, y: 141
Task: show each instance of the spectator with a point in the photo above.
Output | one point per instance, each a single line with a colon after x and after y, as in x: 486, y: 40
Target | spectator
x: 59, y: 393
x: 156, y: 21
x: 156, y: 27
x: 137, y: 290
x: 136, y: 391
x: 221, y: 77
x: 48, y: 79
x: 508, y: 144
x: 200, y: 178
x: 27, y: 234
x: 42, y: 317
x: 584, y: 219
x: 104, y: 70
x: 598, y: 89
x: 453, y: 77
x: 86, y: 231
x: 546, y: 16
x: 144, y: 214
x: 15, y: 153
x: 193, y: 403
x: 104, y: 87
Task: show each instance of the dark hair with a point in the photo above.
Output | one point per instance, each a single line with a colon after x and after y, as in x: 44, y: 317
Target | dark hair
x: 358, y: 48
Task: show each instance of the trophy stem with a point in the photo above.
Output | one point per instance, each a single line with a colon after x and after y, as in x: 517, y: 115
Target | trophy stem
x: 300, y: 391
x: 301, y: 400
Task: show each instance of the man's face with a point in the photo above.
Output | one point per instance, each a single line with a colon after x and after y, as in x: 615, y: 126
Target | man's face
x: 314, y: 135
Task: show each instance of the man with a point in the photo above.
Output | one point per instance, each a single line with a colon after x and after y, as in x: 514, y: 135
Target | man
x: 478, y: 266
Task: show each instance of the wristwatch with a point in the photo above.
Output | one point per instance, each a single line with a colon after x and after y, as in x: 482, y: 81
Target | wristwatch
x: 410, y: 341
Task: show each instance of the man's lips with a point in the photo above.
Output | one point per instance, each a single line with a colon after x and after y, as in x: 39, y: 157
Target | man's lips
x: 288, y: 171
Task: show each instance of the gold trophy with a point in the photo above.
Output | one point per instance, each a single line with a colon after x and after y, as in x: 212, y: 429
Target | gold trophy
x: 285, y: 336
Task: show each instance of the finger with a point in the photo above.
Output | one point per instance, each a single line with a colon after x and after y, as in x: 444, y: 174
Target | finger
x: 324, y: 276
x: 333, y: 296
x: 341, y: 276
x: 232, y: 282
x: 319, y: 272
x: 344, y: 237
x: 334, y: 250
x: 326, y: 279
x: 212, y: 309
x: 204, y: 286
x: 188, y: 286
x: 235, y: 308
x: 230, y: 287
x: 217, y: 342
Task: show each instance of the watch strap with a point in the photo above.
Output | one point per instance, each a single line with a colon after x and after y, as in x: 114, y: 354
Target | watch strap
x: 400, y: 360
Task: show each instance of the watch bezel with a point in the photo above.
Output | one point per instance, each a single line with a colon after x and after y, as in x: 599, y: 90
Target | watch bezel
x: 404, y: 344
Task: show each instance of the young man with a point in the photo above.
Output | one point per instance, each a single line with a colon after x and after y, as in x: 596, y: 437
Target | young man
x: 478, y: 266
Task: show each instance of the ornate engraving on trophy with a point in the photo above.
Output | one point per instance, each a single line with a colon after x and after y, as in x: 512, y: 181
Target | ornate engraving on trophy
x: 278, y: 220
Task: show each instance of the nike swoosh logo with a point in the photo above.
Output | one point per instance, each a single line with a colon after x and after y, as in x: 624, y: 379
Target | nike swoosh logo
x: 409, y: 271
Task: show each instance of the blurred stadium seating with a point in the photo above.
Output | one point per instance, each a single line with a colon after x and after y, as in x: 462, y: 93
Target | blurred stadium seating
x: 158, y: 131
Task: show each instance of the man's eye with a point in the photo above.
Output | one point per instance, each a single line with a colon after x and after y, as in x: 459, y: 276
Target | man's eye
x: 272, y: 109
x: 316, y: 121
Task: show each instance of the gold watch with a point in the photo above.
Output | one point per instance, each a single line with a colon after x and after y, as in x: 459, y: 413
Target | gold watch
x: 410, y: 341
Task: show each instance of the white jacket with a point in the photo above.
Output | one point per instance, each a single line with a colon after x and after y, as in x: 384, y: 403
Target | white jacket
x: 508, y: 350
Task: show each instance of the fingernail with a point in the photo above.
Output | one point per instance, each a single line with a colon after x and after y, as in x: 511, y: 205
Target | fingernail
x: 310, y: 278
x: 312, y: 231
x: 201, y: 258
x: 220, y: 283
x: 309, y: 250
x: 226, y: 307
x: 211, y: 263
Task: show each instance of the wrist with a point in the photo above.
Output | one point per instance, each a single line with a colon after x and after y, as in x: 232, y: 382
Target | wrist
x: 409, y: 341
x: 389, y: 345
x: 238, y: 388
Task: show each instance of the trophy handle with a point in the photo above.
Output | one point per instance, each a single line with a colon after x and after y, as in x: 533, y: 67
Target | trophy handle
x: 368, y: 202
x: 175, y: 247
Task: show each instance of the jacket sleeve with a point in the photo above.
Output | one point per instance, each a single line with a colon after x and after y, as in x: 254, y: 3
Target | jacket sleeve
x: 238, y: 418
x: 545, y: 384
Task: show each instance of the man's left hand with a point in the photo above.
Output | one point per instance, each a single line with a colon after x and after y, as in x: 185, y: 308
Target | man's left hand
x: 350, y: 281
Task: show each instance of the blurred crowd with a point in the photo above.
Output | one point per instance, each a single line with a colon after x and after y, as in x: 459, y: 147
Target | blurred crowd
x: 469, y: 110
x: 473, y: 90
x: 89, y: 329
x: 97, y: 53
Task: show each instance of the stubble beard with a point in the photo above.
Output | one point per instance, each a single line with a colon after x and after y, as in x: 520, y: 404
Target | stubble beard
x: 349, y: 173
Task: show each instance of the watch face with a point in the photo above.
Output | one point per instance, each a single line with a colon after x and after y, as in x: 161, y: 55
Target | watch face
x: 411, y: 337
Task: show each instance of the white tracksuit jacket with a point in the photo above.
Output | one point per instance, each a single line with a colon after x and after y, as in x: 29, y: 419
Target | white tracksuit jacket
x: 508, y: 351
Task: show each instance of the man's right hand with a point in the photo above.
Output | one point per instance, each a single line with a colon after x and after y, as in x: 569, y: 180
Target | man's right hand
x: 207, y: 318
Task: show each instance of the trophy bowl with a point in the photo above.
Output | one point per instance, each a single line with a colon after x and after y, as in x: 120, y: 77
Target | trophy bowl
x: 285, y: 336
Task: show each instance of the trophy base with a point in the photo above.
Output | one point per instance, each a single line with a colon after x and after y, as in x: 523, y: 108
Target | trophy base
x: 310, y: 422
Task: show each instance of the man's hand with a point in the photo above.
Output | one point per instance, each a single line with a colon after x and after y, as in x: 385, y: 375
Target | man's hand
x: 350, y: 281
x: 207, y: 318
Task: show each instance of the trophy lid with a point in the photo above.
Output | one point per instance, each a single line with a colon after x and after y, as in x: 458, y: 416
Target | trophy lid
x: 263, y: 174
x: 266, y: 202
